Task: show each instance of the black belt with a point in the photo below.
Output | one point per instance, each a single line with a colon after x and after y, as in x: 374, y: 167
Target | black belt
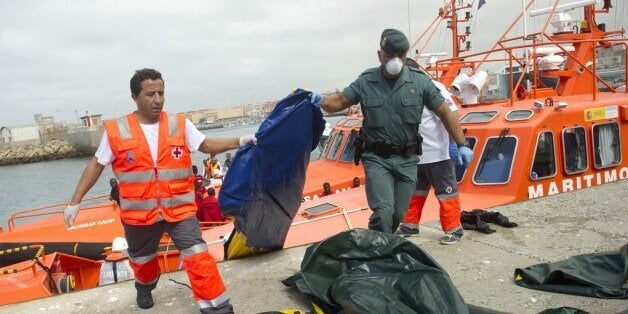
x: 385, y: 150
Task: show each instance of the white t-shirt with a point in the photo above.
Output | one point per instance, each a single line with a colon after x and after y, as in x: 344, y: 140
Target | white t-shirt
x: 435, y: 137
x: 193, y: 139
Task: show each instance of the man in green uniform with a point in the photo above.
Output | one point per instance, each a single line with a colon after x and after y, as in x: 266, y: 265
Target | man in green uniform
x: 392, y: 97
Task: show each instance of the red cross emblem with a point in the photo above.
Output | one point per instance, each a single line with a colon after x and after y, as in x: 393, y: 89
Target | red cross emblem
x: 177, y: 152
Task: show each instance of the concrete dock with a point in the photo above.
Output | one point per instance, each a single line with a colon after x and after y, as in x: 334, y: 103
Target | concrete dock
x: 481, y: 266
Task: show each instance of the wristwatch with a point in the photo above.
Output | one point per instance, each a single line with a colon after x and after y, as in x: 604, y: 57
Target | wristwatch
x: 466, y: 143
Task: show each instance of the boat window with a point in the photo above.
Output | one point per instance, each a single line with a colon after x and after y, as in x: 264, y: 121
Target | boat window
x: 335, y: 146
x: 575, y: 150
x: 348, y: 151
x: 478, y: 117
x: 349, y: 122
x: 544, y: 164
x: 606, y: 145
x: 329, y: 141
x: 519, y: 115
x: 496, y: 161
x: 460, y: 169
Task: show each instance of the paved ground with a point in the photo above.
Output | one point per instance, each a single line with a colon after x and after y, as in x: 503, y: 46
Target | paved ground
x: 481, y: 266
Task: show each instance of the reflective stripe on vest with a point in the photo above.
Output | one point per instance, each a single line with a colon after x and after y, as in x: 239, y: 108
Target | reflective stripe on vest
x: 216, y: 302
x: 194, y: 249
x: 171, y: 202
x: 140, y: 176
x: 173, y: 125
x: 123, y: 128
x: 126, y: 204
x: 174, y: 174
x: 148, y: 176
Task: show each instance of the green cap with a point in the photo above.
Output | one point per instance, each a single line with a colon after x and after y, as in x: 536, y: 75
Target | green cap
x: 394, y: 41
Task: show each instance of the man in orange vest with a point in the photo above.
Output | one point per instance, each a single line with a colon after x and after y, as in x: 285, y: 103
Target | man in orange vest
x: 149, y: 152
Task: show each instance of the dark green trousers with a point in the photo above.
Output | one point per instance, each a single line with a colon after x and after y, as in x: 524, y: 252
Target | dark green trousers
x: 390, y: 183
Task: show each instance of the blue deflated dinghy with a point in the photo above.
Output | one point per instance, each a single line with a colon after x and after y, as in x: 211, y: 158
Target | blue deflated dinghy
x: 264, y: 186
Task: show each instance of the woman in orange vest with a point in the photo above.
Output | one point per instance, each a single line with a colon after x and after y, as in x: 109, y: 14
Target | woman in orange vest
x: 215, y: 168
x: 149, y: 152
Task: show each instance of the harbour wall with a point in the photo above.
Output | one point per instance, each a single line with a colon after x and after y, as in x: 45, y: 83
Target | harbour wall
x: 58, y: 145
x: 54, y: 149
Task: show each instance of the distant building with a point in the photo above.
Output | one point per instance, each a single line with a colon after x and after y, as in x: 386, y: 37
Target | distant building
x: 20, y: 135
x: 199, y: 116
x: 91, y: 120
x: 229, y: 113
x: 47, y: 124
x: 613, y: 57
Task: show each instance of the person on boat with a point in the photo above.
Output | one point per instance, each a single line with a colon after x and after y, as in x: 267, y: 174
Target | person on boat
x: 392, y: 97
x: 149, y: 152
x: 198, y: 179
x: 326, y: 190
x: 215, y: 169
x: 208, y: 210
x: 114, y: 195
x: 228, y: 161
x: 206, y: 170
x: 436, y: 169
x: 356, y: 183
x: 116, y: 266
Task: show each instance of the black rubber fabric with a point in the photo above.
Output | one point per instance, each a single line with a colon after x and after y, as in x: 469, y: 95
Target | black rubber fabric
x: 365, y: 271
x: 478, y: 219
x: 599, y: 275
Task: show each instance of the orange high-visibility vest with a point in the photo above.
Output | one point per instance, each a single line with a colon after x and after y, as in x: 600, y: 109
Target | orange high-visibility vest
x: 147, y: 189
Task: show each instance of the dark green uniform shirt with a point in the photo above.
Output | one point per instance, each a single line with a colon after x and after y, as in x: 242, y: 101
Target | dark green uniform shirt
x: 393, y: 115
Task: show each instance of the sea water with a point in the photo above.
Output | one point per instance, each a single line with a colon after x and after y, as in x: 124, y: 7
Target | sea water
x: 44, y: 183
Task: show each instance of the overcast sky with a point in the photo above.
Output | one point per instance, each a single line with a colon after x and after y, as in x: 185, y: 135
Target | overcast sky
x: 65, y: 57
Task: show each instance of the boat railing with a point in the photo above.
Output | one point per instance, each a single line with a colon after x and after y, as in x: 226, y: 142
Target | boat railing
x: 53, y: 209
x: 510, y: 51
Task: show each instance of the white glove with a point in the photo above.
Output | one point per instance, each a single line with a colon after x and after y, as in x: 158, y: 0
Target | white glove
x: 70, y: 213
x: 248, y: 139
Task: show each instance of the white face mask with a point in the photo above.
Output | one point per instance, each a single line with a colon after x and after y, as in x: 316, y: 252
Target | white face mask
x: 394, y: 66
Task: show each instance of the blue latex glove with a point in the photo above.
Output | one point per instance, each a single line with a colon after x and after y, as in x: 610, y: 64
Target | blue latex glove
x: 453, y: 150
x: 316, y: 99
x: 465, y: 155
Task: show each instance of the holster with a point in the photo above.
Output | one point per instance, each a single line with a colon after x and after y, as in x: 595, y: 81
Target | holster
x: 419, y: 143
x: 358, y: 147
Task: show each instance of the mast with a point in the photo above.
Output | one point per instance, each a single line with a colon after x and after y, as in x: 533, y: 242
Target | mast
x: 447, y: 70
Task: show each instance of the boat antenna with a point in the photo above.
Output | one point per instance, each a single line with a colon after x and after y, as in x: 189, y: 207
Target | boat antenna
x: 409, y: 29
x: 525, y: 28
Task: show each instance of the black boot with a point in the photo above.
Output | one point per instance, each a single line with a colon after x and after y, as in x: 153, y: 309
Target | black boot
x: 144, y: 296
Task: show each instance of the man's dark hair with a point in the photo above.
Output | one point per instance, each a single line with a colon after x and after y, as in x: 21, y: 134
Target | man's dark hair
x: 211, y: 191
x: 194, y: 169
x: 142, y: 75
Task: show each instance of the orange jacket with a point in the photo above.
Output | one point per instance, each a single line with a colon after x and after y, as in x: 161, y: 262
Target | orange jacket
x: 148, y: 190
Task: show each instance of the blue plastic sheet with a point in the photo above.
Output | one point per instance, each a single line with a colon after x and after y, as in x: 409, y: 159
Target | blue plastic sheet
x: 264, y: 185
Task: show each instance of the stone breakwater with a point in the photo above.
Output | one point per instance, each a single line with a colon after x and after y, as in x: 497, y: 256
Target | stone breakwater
x: 51, y: 150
